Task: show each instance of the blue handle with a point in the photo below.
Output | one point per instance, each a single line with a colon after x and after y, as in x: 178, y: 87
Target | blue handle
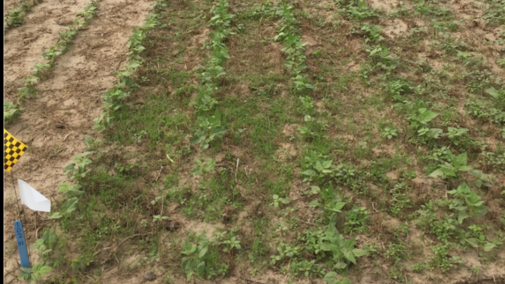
x: 23, y: 250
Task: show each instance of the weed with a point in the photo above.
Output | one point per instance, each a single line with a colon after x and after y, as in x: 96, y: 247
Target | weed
x: 453, y: 168
x: 389, y: 132
x: 29, y: 89
x: 35, y: 273
x: 208, y: 129
x: 342, y: 250
x: 195, y: 249
x: 277, y: 200
x: 356, y: 10
x: 356, y: 220
x: 10, y: 111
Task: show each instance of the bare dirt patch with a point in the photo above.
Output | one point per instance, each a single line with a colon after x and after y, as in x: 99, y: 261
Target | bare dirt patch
x: 395, y: 28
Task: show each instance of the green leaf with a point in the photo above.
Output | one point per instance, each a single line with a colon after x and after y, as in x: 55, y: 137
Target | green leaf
x: 55, y: 215
x: 331, y: 277
x: 340, y: 265
x: 314, y: 203
x: 349, y: 256
x: 460, y: 160
x: 489, y: 246
x: 436, y: 173
x: 462, y: 216
x: 329, y: 247
x: 285, y: 200
x: 70, y: 205
x: 493, y: 92
x: 349, y: 244
x: 315, y: 189
x: 203, y: 251
x: 480, y: 211
x: 44, y: 270
x: 310, y: 173
x: 465, y: 168
x: 473, y: 242
x: 49, y: 238
x: 188, y: 275
x: 337, y: 206
x: 359, y: 252
x: 197, y: 139
x: 426, y: 116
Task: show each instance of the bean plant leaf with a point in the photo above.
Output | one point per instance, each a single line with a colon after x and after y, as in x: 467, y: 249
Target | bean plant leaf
x: 493, y: 92
x: 473, y: 242
x: 45, y: 269
x: 329, y: 247
x: 349, y: 256
x: 489, y: 246
x: 310, y: 173
x: 436, y: 173
x: 426, y: 116
x: 359, y: 252
x: 331, y: 277
x: 340, y: 265
x: 460, y: 159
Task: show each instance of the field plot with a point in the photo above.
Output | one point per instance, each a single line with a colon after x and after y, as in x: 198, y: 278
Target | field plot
x: 237, y: 141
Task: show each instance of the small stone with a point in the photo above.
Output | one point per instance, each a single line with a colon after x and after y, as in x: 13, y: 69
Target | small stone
x: 172, y: 226
x: 150, y: 276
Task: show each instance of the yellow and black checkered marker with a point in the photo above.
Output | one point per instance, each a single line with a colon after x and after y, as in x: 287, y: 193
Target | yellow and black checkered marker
x: 14, y: 149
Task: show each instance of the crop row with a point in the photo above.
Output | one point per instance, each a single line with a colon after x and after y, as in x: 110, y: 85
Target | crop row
x: 208, y: 125
x: 71, y: 188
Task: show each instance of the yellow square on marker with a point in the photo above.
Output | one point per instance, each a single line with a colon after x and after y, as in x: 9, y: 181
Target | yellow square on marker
x: 13, y: 150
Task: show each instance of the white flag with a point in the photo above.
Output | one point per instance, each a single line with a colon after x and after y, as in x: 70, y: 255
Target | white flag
x: 32, y: 198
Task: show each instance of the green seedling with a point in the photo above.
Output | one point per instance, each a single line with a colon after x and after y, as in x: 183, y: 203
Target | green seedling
x: 454, y: 133
x: 34, y: 274
x: 278, y: 200
x: 194, y: 251
x: 343, y: 250
x: 472, y: 200
x: 356, y: 220
x: 482, y: 179
x: 29, y: 89
x: 389, y: 133
x: 317, y: 167
x: 422, y: 118
x: 71, y: 190
x: 232, y: 243
x: 77, y: 170
x: 208, y: 129
x: 10, y: 111
x: 66, y: 209
x: 373, y: 32
x: 15, y: 17
x: 203, y: 167
x: 452, y: 169
x: 285, y: 251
